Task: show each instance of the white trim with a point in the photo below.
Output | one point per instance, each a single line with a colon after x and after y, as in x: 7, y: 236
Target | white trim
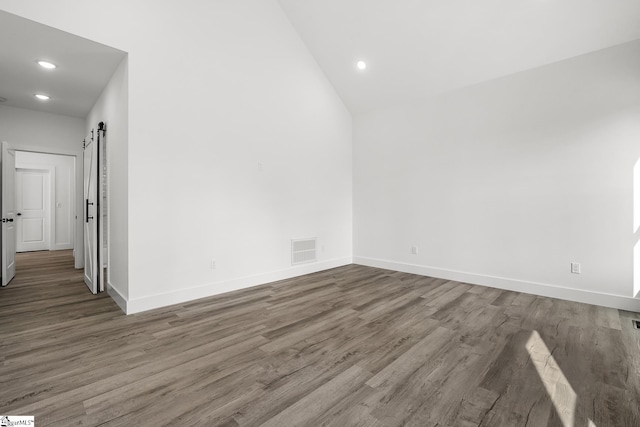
x: 53, y: 196
x: 182, y: 295
x: 47, y: 150
x: 578, y: 295
x: 116, y: 296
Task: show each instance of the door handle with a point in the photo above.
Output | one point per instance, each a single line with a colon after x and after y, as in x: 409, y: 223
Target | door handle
x: 7, y: 219
x: 19, y: 214
x: 87, y: 203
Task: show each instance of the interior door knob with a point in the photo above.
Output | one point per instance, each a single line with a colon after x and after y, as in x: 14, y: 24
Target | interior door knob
x: 19, y: 214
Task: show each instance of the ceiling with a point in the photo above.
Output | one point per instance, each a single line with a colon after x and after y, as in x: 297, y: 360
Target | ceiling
x: 84, y: 67
x: 413, y: 48
x: 418, y: 48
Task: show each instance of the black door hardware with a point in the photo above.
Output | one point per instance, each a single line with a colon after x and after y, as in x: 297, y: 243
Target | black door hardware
x: 87, y: 203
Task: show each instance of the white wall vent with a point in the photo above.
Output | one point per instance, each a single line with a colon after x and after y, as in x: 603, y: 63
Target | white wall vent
x: 303, y: 250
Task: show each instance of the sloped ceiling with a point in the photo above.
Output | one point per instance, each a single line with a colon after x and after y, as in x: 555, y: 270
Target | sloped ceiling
x: 418, y: 48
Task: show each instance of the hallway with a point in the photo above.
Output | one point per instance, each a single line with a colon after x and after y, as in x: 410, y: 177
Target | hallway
x: 48, y: 291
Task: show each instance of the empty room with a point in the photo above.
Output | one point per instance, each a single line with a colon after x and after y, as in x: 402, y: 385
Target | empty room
x: 320, y: 213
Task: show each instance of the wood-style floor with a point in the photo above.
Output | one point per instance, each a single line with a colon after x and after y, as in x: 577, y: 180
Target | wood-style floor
x: 352, y: 346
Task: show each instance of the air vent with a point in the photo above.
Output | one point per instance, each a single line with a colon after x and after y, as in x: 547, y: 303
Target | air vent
x: 303, y: 251
x: 636, y: 324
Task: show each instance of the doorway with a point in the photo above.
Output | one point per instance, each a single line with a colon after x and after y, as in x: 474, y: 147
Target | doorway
x: 45, y: 201
x: 39, y: 196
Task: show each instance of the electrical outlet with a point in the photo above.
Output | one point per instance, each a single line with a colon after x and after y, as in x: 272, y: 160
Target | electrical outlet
x: 213, y: 264
x: 414, y: 250
x: 575, y: 267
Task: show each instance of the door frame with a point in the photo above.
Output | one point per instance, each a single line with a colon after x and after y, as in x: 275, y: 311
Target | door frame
x: 78, y: 243
x: 51, y: 181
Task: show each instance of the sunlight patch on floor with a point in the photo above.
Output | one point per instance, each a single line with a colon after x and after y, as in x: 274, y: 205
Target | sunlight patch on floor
x: 558, y: 388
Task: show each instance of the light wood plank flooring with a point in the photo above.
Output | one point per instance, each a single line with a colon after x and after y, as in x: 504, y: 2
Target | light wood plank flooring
x: 352, y: 346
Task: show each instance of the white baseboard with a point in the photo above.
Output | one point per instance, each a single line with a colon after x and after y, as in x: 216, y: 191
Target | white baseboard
x: 150, y: 302
x: 115, y: 295
x: 65, y: 247
x: 570, y: 294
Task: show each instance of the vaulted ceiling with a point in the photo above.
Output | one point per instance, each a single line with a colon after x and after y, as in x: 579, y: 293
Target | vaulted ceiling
x: 413, y: 48
x: 418, y: 48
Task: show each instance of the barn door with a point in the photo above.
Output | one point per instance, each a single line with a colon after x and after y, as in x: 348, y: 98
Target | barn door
x: 91, y: 214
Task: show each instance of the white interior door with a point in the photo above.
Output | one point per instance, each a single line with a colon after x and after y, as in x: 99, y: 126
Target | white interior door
x: 32, y: 206
x: 8, y: 160
x: 91, y: 243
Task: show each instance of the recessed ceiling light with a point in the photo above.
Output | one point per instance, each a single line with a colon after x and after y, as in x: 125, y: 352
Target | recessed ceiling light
x: 361, y: 65
x: 42, y: 97
x: 46, y: 64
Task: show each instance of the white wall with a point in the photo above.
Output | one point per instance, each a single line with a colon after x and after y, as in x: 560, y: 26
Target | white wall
x: 37, y: 131
x: 112, y: 108
x: 215, y: 89
x: 62, y: 194
x: 28, y: 128
x: 507, y: 182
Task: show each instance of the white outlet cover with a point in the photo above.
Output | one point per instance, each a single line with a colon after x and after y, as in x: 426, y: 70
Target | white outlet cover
x: 575, y: 268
